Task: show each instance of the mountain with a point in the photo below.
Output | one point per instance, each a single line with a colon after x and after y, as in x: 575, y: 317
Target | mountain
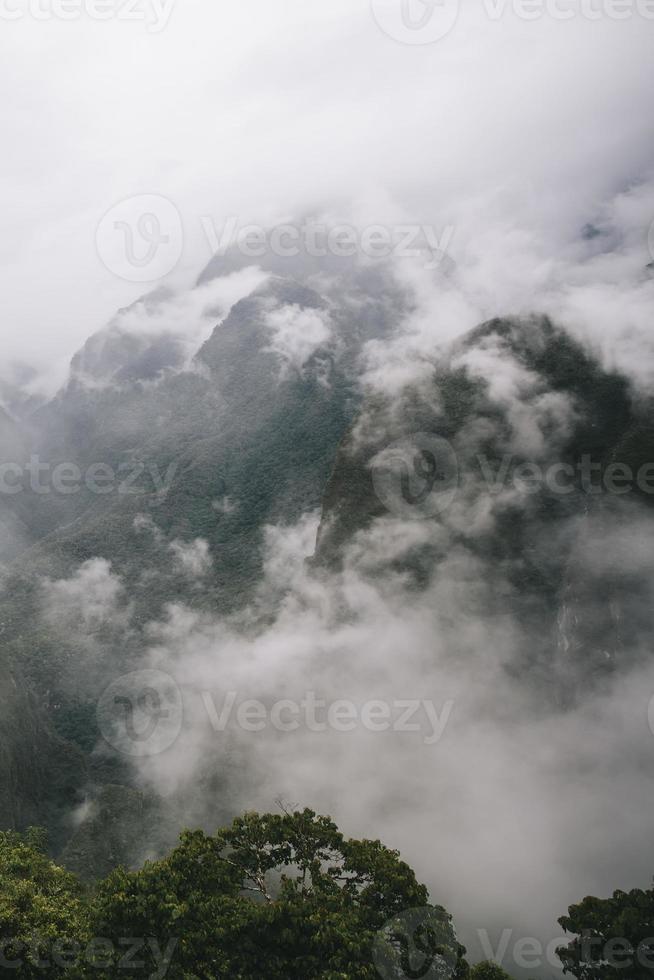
x: 267, y: 420
x: 204, y: 454
x: 19, y: 521
x: 525, y: 433
x: 118, y: 355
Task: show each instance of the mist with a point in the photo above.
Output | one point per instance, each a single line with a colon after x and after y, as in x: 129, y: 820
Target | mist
x: 439, y: 716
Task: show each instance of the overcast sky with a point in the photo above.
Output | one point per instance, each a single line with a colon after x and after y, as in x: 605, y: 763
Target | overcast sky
x: 262, y: 109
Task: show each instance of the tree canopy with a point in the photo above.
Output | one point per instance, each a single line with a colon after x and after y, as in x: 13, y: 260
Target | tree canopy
x: 43, y: 917
x: 275, y: 895
x: 614, y: 937
x: 281, y: 895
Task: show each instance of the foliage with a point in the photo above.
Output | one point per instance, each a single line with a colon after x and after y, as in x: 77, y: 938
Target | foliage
x: 487, y: 970
x: 280, y: 896
x: 614, y: 937
x: 41, y: 909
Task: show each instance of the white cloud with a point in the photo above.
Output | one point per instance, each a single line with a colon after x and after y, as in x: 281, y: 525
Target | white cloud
x: 90, y: 598
x: 517, y: 790
x: 518, y: 135
x: 208, y: 113
x: 297, y: 333
x: 192, y: 558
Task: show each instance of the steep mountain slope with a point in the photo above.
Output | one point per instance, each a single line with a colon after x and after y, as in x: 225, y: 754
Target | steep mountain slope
x: 203, y: 455
x: 533, y: 461
x: 18, y: 522
x: 244, y: 437
x: 40, y: 773
x: 482, y: 458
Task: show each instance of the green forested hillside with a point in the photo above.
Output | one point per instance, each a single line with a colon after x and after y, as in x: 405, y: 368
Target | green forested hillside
x: 244, y: 438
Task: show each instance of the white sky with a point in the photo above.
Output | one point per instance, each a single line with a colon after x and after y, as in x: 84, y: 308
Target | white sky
x: 262, y: 108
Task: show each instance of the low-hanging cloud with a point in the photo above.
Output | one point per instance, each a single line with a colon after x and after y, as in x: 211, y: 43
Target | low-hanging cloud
x: 510, y: 812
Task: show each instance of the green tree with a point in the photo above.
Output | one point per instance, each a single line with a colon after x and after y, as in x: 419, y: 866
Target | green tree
x: 275, y: 895
x: 614, y: 937
x: 487, y: 970
x: 43, y: 919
